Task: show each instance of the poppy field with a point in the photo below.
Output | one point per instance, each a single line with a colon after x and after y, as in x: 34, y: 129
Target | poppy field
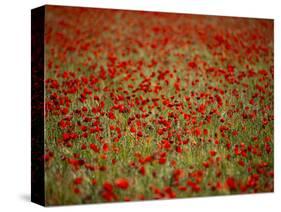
x: 149, y: 105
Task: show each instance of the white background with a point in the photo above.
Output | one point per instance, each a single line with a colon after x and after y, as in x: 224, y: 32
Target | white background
x: 15, y: 104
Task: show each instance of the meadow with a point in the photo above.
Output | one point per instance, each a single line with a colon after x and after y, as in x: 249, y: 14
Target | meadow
x: 147, y: 105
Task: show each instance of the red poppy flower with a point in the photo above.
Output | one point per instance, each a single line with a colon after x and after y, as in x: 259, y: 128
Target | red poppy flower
x: 78, y: 180
x: 231, y: 183
x: 142, y: 170
x: 94, y: 147
x: 122, y: 183
x: 111, y: 115
x: 107, y: 186
x: 212, y: 152
x: 162, y: 160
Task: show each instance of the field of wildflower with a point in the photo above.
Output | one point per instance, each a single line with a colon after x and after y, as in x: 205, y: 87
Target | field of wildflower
x: 149, y: 105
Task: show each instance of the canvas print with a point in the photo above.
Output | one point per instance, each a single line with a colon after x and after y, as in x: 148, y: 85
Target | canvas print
x: 134, y: 105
